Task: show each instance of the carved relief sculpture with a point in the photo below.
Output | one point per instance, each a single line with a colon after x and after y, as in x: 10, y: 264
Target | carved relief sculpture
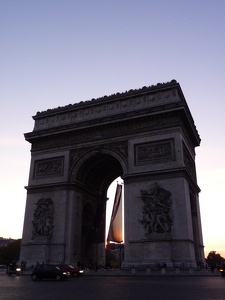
x: 156, y: 210
x: 43, y: 218
x: 154, y: 152
x: 49, y: 167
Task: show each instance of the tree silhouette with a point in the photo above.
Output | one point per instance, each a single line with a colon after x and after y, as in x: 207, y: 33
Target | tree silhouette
x: 10, y: 253
x: 214, y: 259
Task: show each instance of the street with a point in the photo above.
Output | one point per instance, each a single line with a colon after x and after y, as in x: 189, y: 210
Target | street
x: 114, y: 287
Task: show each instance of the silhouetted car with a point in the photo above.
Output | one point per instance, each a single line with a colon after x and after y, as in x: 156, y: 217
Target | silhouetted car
x: 222, y: 270
x: 14, y: 269
x: 70, y: 269
x: 47, y: 271
x: 3, y: 267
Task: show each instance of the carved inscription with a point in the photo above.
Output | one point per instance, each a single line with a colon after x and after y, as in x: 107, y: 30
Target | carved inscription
x: 43, y: 218
x: 156, y: 210
x: 154, y: 152
x: 49, y: 167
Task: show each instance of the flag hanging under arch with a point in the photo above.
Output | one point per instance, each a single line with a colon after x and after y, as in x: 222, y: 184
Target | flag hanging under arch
x: 115, y: 233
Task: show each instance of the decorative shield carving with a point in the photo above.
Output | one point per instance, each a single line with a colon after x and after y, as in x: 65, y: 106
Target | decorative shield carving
x: 43, y: 218
x: 156, y: 210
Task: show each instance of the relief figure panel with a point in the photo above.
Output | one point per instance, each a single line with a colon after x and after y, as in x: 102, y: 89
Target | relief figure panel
x: 154, y: 152
x: 49, y: 167
x: 156, y: 216
x: 43, y: 219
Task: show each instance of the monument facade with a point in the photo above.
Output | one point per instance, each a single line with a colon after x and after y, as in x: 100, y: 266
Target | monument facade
x: 146, y: 136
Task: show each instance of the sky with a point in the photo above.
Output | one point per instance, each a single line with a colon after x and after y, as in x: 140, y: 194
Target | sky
x: 59, y: 52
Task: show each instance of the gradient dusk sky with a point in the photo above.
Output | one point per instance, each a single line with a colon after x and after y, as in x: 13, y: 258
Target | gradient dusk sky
x: 59, y: 52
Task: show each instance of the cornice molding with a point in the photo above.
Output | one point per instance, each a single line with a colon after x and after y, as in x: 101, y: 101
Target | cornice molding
x: 110, y: 106
x: 131, y: 92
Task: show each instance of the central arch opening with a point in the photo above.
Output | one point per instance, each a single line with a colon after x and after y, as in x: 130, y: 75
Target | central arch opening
x: 95, y: 175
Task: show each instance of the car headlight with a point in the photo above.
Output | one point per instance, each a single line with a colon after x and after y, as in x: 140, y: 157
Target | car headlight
x: 66, y: 273
x: 18, y: 269
x: 81, y: 271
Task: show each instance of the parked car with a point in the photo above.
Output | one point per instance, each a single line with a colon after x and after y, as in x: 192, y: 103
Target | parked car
x: 70, y: 269
x: 47, y: 271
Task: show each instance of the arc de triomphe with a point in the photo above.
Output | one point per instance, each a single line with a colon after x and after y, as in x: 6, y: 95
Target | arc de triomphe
x: 146, y: 136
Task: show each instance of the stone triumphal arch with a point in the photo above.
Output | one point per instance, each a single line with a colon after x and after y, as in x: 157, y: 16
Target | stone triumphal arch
x: 146, y: 136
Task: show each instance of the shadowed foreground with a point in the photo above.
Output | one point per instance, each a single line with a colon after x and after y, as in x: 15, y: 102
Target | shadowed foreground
x: 114, y: 287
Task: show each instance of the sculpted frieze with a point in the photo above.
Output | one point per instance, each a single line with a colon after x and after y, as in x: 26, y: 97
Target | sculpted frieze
x: 43, y: 219
x: 156, y: 215
x: 154, y: 152
x: 159, y: 123
x: 104, y: 132
x: 103, y: 110
x: 105, y: 106
x: 49, y: 167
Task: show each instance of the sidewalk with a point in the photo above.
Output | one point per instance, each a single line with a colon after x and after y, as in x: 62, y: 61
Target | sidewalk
x: 144, y: 272
x: 140, y: 272
x: 151, y: 272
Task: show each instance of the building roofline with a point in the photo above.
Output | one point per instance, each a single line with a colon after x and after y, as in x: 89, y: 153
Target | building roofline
x: 131, y: 92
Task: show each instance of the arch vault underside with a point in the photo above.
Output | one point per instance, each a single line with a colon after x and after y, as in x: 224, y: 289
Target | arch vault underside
x: 146, y: 136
